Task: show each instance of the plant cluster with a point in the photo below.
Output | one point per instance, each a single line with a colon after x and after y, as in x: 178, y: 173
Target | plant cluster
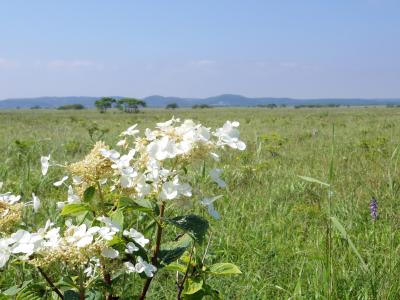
x: 127, y: 215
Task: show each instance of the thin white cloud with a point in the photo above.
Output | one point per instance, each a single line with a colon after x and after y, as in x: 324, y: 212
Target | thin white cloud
x: 202, y: 63
x: 8, y: 63
x: 289, y: 65
x: 62, y: 64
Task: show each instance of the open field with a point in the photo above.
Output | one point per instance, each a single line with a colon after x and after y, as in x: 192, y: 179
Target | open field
x: 274, y: 224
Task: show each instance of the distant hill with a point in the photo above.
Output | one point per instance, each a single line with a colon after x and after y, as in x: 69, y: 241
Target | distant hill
x: 238, y: 100
x: 46, y: 102
x: 221, y: 100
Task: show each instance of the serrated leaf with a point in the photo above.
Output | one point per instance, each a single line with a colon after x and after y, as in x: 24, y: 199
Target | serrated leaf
x: 195, y: 225
x: 12, y: 291
x: 313, y: 180
x: 172, y: 251
x: 175, y: 267
x: 143, y: 205
x: 224, y: 269
x: 95, y: 295
x: 88, y: 194
x: 74, y: 209
x: 66, y: 283
x: 71, y: 295
x: 192, y: 286
x: 32, y: 292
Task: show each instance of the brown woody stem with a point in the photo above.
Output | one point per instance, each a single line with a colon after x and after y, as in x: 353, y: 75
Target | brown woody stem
x: 53, y: 287
x: 180, y: 284
x: 156, y: 250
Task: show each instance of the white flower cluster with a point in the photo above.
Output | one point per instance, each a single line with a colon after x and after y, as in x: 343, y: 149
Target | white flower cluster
x: 149, y: 167
x: 25, y: 243
x: 48, y: 240
x: 10, y: 211
x: 152, y: 166
x: 140, y: 266
x: 9, y: 198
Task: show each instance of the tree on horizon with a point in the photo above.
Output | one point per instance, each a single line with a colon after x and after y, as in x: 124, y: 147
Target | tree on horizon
x: 131, y: 105
x: 104, y: 103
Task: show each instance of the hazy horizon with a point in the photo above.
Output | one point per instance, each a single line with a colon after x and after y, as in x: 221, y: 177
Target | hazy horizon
x: 200, y: 98
x: 302, y: 49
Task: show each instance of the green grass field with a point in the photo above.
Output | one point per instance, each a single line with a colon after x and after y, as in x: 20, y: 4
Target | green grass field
x: 274, y: 224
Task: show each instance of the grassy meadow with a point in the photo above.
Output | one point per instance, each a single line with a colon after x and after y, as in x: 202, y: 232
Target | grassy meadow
x: 275, y: 225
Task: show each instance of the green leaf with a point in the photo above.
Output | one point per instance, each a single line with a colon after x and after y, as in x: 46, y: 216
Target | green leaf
x: 66, y: 282
x: 96, y: 295
x: 206, y: 290
x: 116, y: 240
x: 297, y: 291
x: 344, y: 234
x: 313, y: 180
x: 12, y: 291
x: 32, y: 292
x: 143, y: 205
x: 203, y: 170
x: 196, y: 226
x: 71, y: 295
x: 172, y: 251
x: 192, y: 286
x: 224, y: 269
x: 74, y: 209
x: 118, y: 217
x: 176, y: 267
x: 89, y: 194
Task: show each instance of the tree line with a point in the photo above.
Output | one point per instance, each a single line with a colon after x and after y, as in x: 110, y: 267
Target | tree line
x: 128, y: 105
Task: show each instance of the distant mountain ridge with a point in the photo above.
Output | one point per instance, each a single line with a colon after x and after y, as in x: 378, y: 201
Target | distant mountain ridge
x: 221, y: 100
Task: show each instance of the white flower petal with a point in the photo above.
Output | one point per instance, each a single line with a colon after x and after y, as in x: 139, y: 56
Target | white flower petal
x: 110, y: 253
x: 36, y: 203
x: 60, y: 182
x: 44, y: 160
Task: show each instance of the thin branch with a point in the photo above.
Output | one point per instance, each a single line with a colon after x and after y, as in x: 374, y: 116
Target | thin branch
x: 81, y: 286
x: 156, y: 250
x: 108, y: 281
x: 180, y: 285
x: 53, y: 287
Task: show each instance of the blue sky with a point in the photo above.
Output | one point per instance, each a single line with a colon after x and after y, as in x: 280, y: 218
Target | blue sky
x: 341, y: 48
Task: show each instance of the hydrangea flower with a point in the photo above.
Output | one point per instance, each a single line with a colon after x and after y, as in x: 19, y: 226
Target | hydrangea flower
x: 229, y: 135
x: 209, y: 203
x: 136, y: 236
x: 153, y: 167
x: 172, y: 189
x: 61, y: 181
x: 5, y: 252
x: 36, y: 202
x: 110, y: 253
x: 10, y: 198
x: 130, y: 131
x: 44, y: 160
x: 214, y: 174
x: 143, y: 266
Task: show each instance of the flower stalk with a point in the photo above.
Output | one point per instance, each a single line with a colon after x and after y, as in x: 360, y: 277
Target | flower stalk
x: 182, y: 282
x: 50, y: 282
x: 156, y: 250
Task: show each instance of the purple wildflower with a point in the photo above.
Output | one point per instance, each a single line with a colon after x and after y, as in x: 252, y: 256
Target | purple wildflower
x: 373, y: 207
